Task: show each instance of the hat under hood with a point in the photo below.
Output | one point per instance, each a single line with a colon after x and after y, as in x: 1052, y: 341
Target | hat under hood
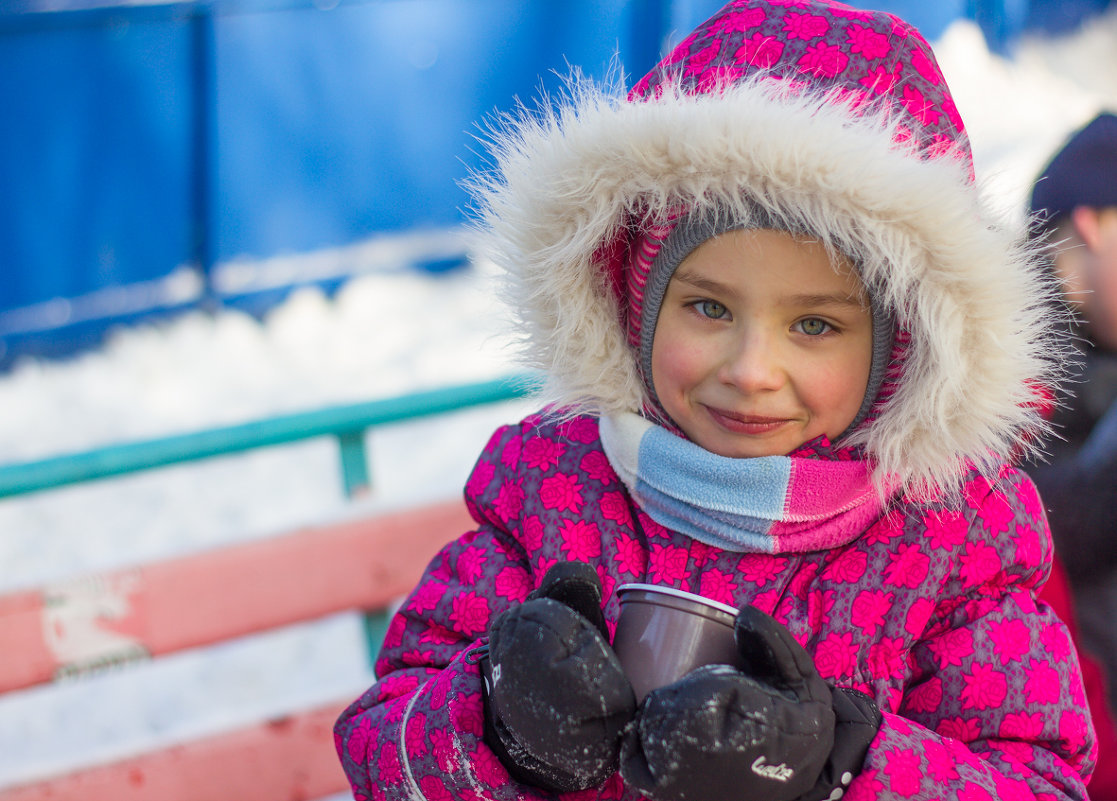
x: 813, y: 117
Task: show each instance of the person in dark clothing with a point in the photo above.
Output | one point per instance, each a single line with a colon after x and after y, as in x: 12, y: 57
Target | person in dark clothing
x: 1074, y: 208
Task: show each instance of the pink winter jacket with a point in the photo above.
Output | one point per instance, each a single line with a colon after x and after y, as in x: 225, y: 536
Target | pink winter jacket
x: 932, y: 612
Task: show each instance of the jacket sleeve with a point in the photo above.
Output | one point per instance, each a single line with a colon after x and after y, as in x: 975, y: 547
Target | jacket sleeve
x: 417, y: 733
x: 994, y: 707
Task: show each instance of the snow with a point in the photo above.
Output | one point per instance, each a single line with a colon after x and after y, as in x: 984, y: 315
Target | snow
x: 389, y: 330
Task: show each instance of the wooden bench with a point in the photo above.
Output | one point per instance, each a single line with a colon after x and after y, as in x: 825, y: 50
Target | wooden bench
x: 201, y: 599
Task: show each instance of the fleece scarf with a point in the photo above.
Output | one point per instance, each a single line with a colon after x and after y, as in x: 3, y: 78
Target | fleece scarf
x: 768, y: 504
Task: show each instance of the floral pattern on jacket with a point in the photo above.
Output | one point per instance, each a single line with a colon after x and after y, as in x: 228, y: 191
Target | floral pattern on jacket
x: 932, y: 612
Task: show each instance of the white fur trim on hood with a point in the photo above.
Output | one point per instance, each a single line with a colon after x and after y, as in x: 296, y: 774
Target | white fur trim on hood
x: 569, y: 179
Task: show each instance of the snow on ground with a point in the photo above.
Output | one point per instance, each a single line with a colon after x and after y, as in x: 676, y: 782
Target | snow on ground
x: 391, y: 330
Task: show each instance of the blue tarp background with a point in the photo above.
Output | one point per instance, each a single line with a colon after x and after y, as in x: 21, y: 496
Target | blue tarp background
x: 141, y: 140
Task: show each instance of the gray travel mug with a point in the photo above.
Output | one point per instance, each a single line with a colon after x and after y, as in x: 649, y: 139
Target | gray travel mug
x: 663, y: 634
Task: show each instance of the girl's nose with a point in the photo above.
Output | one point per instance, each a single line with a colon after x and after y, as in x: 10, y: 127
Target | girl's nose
x: 752, y: 364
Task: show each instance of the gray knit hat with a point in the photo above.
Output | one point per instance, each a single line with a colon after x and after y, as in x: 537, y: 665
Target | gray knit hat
x: 691, y: 231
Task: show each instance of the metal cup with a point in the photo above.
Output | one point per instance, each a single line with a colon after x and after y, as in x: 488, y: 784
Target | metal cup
x: 663, y: 634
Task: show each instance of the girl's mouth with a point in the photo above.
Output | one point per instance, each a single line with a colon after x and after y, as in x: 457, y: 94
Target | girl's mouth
x: 745, y: 423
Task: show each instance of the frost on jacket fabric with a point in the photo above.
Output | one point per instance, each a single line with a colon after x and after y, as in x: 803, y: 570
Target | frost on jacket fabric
x: 931, y: 612
x: 837, y: 122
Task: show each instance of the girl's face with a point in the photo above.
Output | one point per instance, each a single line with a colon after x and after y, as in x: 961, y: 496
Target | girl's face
x: 762, y: 344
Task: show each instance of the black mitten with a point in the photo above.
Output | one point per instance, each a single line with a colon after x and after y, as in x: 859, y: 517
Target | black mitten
x: 761, y: 733
x: 556, y: 698
x: 857, y: 723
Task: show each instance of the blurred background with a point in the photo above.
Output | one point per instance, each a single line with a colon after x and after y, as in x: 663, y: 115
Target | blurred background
x: 218, y: 211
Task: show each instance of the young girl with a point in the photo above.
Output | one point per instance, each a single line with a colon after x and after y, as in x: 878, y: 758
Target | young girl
x: 789, y: 353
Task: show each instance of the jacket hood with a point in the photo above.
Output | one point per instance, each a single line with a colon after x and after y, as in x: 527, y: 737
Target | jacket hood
x: 831, y: 120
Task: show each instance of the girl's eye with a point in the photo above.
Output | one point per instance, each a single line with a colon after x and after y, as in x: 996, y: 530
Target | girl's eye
x: 711, y: 309
x: 813, y: 326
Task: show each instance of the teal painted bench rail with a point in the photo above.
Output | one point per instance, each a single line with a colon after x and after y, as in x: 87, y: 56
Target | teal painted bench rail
x: 347, y: 423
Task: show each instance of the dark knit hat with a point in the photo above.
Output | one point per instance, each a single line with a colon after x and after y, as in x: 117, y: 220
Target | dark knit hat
x: 1083, y: 173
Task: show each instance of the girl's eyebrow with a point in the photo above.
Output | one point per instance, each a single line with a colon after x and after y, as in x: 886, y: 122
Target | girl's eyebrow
x: 703, y: 283
x: 800, y: 299
x: 826, y: 300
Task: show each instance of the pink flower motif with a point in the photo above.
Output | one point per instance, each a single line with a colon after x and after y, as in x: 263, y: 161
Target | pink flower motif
x: 918, y: 615
x: 488, y: 768
x: 879, y: 80
x: 803, y: 580
x: 805, y: 26
x: 926, y: 697
x: 1012, y: 640
x: 388, y: 765
x: 668, y: 565
x: 740, y: 21
x: 439, y: 635
x: 415, y: 735
x: 541, y: 453
x: 972, y: 791
x: 819, y: 605
x: 904, y: 775
x: 561, y: 492
x: 924, y: 67
x: 393, y: 637
x: 359, y: 737
x: 946, y: 530
x: 467, y: 714
x: 953, y: 647
x: 396, y: 686
x: 940, y: 762
x: 759, y: 51
x: 869, y: 43
x: 416, y: 658
x: 471, y: 564
x: 509, y: 501
x: 1073, y: 729
x: 1056, y: 642
x: 980, y: 564
x: 614, y: 506
x: 886, y: 658
x: 581, y: 540
x: 869, y: 610
x: 965, y: 730
x: 631, y: 558
x: 848, y: 567
x: 885, y: 530
x: 824, y: 60
x: 701, y: 553
x: 1026, y: 492
x: 579, y: 429
x: 996, y: 513
x: 480, y: 478
x: 543, y: 564
x: 919, y: 107
x: 513, y: 583
x: 470, y: 613
x: 442, y: 743
x: 1021, y: 726
x: 717, y: 585
x: 985, y: 687
x: 511, y: 453
x: 531, y: 535
x: 434, y: 789
x: 699, y: 62
x: 1029, y: 552
x: 596, y: 466
x: 835, y: 655
x: 760, y: 568
x: 908, y: 566
x: 1042, y: 684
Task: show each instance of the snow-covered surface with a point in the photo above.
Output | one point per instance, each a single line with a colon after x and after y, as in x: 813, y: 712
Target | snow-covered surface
x: 391, y: 329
